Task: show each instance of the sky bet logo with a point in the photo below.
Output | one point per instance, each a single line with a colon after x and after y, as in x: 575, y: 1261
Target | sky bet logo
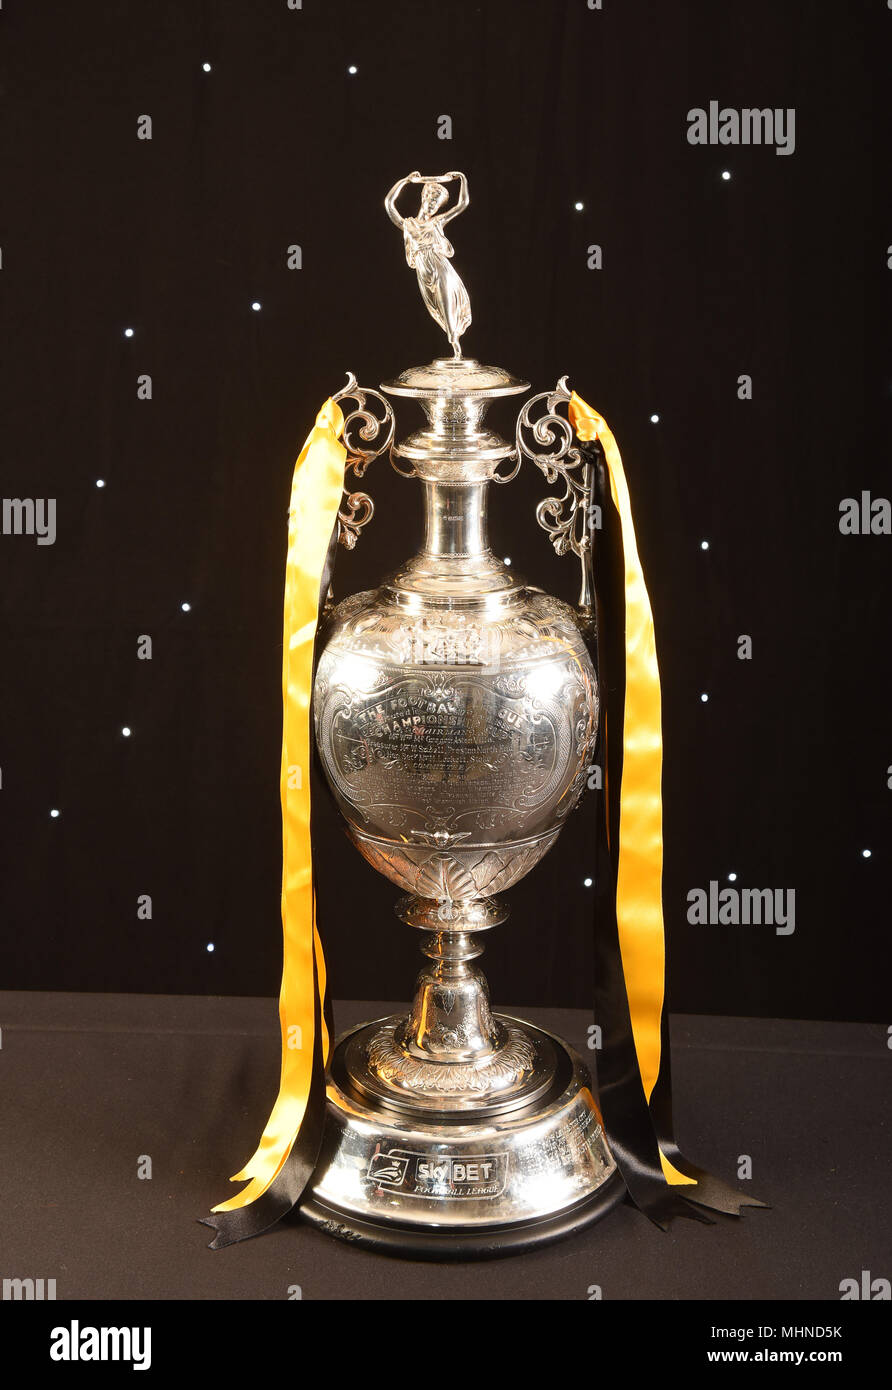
x: 455, y: 1170
x: 439, y: 1175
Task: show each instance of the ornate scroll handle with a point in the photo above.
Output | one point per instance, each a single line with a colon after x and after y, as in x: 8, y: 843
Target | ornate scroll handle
x: 361, y: 426
x: 570, y: 518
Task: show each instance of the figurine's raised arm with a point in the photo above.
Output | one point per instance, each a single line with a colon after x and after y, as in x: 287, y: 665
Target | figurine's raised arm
x: 390, y: 200
x: 461, y: 201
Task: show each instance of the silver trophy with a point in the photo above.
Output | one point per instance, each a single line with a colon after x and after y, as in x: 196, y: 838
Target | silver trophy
x: 456, y: 713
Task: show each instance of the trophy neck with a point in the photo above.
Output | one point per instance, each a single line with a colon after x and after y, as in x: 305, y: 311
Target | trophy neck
x: 456, y: 561
x: 454, y: 456
x: 456, y: 521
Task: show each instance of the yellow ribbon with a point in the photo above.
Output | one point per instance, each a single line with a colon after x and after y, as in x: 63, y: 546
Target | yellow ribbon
x: 316, y: 492
x: 639, y: 873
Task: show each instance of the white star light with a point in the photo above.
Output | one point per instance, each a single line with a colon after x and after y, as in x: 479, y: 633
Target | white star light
x: 865, y: 854
x: 587, y: 883
x: 205, y: 67
x: 256, y: 306
x: 186, y: 607
x: 654, y: 419
x: 100, y: 482
x: 578, y: 206
x: 704, y: 698
x: 726, y: 175
x: 732, y: 878
x: 126, y: 731
x: 54, y: 813
x: 353, y: 70
x: 704, y: 545
x: 128, y: 332
x: 210, y: 945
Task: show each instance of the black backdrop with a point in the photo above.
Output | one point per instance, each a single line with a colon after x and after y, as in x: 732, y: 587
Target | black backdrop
x: 779, y: 272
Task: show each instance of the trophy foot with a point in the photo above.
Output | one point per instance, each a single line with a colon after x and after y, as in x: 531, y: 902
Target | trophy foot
x: 518, y: 1068
x: 474, y: 1182
x: 451, y: 1053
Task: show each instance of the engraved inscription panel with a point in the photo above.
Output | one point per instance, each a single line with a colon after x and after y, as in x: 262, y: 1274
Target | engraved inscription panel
x: 467, y: 741
x: 450, y: 756
x: 575, y: 1153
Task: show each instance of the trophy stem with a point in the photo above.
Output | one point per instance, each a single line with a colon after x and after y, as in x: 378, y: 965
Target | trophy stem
x: 450, y: 1019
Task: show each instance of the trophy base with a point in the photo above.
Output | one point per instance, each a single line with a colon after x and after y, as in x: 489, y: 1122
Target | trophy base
x: 495, y: 1242
x: 408, y: 1180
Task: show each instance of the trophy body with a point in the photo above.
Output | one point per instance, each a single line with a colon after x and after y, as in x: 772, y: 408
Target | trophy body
x: 456, y: 713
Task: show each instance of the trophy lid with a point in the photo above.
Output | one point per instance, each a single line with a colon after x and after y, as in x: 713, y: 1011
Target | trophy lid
x: 450, y: 376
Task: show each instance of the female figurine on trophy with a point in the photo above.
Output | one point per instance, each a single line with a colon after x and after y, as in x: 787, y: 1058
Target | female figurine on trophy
x: 428, y: 251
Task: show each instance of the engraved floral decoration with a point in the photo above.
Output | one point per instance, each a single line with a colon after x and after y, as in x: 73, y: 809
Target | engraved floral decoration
x: 503, y: 1068
x: 439, y: 685
x: 440, y: 838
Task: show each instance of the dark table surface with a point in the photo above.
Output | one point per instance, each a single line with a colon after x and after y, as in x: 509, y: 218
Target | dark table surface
x: 90, y: 1083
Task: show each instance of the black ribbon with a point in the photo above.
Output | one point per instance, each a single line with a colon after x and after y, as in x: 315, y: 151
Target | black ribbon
x: 287, y: 1188
x: 635, y: 1130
